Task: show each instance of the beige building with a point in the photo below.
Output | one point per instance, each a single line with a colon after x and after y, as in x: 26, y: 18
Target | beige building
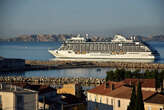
x: 73, y: 89
x: 155, y: 102
x: 16, y: 98
x: 116, y: 95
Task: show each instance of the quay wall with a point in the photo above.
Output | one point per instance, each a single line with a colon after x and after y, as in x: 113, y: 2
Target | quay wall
x: 48, y: 80
x: 76, y: 64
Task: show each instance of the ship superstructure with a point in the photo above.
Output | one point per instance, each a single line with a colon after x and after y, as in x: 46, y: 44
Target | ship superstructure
x: 118, y: 48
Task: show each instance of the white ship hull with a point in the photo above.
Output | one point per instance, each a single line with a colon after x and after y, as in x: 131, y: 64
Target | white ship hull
x: 128, y: 55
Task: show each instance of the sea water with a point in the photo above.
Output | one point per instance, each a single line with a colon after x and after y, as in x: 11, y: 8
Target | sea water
x: 39, y: 51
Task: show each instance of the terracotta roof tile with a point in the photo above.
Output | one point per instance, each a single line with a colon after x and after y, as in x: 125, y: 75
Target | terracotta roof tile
x: 103, y: 90
x: 125, y: 92
x: 156, y: 98
x: 146, y: 83
x: 122, y: 91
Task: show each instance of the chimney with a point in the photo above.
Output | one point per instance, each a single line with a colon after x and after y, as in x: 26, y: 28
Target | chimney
x: 112, y: 87
x: 130, y: 83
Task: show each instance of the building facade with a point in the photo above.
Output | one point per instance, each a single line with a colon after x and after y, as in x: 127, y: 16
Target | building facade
x: 73, y: 89
x: 116, y: 95
x: 15, y: 98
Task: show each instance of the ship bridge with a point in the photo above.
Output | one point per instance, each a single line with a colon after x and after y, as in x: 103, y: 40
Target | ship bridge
x: 77, y: 39
x: 119, y: 38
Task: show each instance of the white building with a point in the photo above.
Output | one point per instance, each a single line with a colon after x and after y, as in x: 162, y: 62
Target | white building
x: 16, y: 98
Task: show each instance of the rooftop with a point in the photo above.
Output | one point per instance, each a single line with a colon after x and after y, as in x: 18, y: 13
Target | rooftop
x: 13, y: 88
x: 146, y: 83
x: 156, y: 98
x: 122, y: 89
x: 103, y: 90
x: 40, y: 88
x: 125, y: 92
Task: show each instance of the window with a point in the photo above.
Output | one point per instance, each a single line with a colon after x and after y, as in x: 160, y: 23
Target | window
x: 0, y: 102
x: 90, y: 97
x: 20, y: 102
x: 100, y: 99
x: 107, y: 100
x: 149, y: 108
x: 111, y: 101
x: 0, y: 99
x: 119, y: 103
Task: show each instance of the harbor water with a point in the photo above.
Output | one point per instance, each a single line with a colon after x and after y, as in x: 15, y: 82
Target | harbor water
x: 39, y: 51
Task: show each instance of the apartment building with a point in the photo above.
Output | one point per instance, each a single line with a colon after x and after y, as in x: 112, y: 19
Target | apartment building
x: 155, y: 102
x: 116, y: 95
x: 16, y: 98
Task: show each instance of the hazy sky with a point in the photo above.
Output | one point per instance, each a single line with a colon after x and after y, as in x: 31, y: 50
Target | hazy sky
x: 143, y: 17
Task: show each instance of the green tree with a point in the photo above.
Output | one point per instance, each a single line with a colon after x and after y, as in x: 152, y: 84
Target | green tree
x: 161, y: 78
x: 110, y: 76
x: 132, y: 104
x: 136, y: 74
x: 157, y: 79
x: 128, y: 74
x: 139, y: 98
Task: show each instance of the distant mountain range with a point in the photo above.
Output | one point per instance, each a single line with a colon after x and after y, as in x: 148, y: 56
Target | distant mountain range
x: 63, y: 37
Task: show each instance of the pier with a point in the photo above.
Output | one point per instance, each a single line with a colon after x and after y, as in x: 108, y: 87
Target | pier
x: 53, y: 80
x: 91, y: 64
x: 16, y: 65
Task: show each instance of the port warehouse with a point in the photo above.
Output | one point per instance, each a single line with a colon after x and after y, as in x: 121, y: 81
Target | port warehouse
x: 11, y: 64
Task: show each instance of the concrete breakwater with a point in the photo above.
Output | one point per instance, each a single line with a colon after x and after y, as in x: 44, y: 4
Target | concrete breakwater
x: 86, y: 64
x: 48, y: 80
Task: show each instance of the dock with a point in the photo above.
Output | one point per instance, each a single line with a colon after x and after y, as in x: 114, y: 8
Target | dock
x: 92, y: 64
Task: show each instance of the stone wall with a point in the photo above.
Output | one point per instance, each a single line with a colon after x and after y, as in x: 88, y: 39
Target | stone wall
x: 46, y: 80
x: 83, y: 64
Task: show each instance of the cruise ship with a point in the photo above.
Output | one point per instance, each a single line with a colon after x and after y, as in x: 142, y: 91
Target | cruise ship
x: 118, y: 48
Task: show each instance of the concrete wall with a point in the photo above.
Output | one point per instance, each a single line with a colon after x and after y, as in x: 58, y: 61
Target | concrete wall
x: 30, y: 100
x: 67, y: 89
x: 153, y: 106
x: 106, y: 102
x: 123, y: 103
x: 111, y: 103
x: 99, y: 102
x: 8, y: 100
